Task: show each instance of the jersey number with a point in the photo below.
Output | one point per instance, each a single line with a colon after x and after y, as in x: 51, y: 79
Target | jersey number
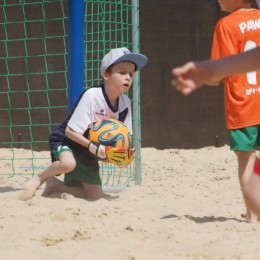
x: 251, y: 76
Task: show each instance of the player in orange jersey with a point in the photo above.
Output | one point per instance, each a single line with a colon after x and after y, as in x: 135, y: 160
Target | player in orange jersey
x: 193, y: 75
x: 233, y: 34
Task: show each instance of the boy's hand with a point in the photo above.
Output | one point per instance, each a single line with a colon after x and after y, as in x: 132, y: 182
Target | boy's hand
x: 108, y: 153
x: 190, y: 76
x: 128, y: 159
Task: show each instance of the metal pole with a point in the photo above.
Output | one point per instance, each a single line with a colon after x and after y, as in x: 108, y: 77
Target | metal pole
x: 136, y: 94
x: 76, y: 51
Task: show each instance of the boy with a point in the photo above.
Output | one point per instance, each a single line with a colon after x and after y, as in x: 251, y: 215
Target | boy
x: 193, y: 75
x: 71, y: 152
x: 233, y: 34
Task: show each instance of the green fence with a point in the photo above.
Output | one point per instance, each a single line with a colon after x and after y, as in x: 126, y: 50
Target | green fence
x: 33, y: 77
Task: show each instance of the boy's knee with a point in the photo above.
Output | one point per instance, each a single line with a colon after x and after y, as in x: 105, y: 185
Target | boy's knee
x: 245, y: 154
x: 68, y: 165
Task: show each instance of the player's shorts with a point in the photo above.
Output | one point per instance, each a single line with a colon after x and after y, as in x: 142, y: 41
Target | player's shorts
x: 245, y: 139
x: 62, y: 148
x: 81, y: 172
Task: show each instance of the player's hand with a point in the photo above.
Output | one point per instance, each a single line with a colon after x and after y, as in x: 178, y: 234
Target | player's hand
x: 128, y: 159
x: 190, y: 76
x: 108, y: 153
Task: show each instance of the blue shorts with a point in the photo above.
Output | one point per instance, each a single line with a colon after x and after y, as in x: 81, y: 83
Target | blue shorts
x: 245, y: 139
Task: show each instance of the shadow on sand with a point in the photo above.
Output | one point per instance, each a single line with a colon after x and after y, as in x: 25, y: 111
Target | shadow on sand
x: 201, y: 220
x: 9, y: 189
x: 59, y: 195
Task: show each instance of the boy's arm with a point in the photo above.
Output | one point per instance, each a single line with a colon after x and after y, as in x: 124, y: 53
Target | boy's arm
x: 76, y: 137
x: 117, y: 156
x: 193, y: 75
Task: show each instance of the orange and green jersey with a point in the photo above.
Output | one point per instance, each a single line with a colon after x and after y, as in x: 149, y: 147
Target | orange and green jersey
x: 233, y: 34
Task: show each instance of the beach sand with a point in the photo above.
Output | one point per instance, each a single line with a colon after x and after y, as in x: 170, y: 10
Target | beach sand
x: 187, y: 207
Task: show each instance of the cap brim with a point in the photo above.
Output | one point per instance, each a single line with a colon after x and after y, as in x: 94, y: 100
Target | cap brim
x: 138, y: 59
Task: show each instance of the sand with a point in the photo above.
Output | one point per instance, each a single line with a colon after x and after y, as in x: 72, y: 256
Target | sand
x: 188, y: 207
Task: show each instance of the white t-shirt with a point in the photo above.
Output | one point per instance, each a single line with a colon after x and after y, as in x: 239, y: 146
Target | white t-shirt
x: 94, y: 105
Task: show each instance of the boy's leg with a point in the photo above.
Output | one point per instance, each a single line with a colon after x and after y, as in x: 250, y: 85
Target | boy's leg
x: 65, y: 164
x: 246, y: 161
x: 252, y: 193
x: 86, y: 191
x: 243, y: 142
x: 53, y: 184
x: 87, y: 177
x: 93, y: 191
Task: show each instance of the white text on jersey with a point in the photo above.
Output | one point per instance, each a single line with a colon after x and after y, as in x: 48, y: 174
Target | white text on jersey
x: 249, y: 25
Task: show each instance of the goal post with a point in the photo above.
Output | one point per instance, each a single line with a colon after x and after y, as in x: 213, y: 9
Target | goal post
x: 136, y: 94
x: 110, y: 25
x: 76, y: 51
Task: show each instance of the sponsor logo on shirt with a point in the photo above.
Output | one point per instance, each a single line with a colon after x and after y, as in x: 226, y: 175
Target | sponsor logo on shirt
x: 252, y: 91
x: 101, y: 113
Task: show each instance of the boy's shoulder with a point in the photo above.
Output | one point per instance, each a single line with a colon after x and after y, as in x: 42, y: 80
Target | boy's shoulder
x: 98, y: 91
x: 238, y: 17
x: 227, y: 20
x: 124, y: 96
x: 93, y: 89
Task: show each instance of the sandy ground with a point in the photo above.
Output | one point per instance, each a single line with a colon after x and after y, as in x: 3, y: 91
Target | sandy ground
x: 188, y: 207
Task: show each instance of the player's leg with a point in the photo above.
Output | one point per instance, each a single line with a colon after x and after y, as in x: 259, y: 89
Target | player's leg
x: 243, y: 142
x: 252, y: 190
x: 246, y: 162
x: 66, y: 163
x: 93, y: 191
x: 82, y: 182
x: 53, y: 184
x: 84, y: 190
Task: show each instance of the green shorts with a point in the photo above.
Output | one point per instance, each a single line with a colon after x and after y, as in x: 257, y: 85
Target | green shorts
x: 62, y: 148
x: 81, y: 173
x: 245, y: 139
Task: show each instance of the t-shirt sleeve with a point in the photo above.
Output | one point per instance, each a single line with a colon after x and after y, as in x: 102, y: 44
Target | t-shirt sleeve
x: 223, y: 42
x: 128, y: 120
x: 81, y: 117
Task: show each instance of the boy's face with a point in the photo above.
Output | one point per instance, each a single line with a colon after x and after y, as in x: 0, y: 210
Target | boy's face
x: 121, y: 76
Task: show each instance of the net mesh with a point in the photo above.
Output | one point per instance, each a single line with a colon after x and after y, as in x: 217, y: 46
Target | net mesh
x: 33, y: 75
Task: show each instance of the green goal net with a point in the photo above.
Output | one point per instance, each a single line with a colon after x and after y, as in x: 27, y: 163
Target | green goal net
x: 33, y: 77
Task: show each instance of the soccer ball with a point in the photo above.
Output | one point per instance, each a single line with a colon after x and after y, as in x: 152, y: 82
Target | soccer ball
x: 110, y: 132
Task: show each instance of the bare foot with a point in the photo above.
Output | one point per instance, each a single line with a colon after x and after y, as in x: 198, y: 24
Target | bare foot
x: 252, y: 220
x: 244, y: 216
x: 27, y: 195
x: 30, y: 187
x: 50, y: 187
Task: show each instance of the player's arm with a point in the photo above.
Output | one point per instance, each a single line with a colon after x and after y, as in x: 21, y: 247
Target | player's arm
x: 76, y: 137
x: 109, y: 154
x: 193, y: 75
x: 213, y: 83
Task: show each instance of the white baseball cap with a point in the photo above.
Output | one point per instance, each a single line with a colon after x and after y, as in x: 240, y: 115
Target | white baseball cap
x: 122, y: 54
